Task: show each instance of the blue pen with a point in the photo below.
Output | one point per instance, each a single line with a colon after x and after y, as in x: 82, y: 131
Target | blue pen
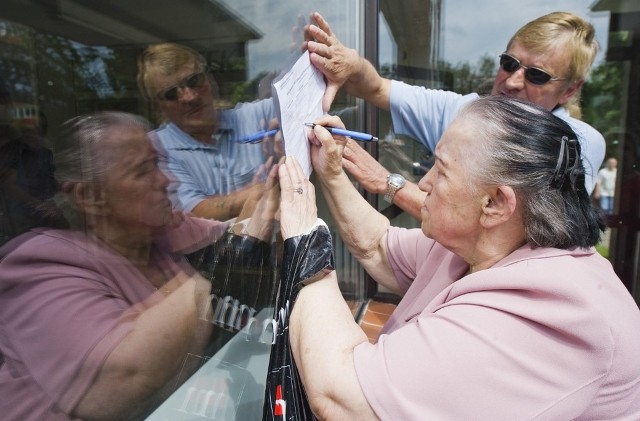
x: 365, y: 137
x: 257, y: 137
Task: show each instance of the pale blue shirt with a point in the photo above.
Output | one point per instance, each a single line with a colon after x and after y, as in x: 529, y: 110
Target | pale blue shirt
x: 424, y: 114
x: 199, y: 170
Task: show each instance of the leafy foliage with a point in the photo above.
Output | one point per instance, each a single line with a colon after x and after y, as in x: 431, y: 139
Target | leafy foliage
x: 602, y: 102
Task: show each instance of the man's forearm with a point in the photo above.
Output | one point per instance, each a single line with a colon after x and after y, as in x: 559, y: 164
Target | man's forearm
x: 220, y: 208
x: 410, y: 199
x: 369, y: 85
x: 223, y: 208
x: 372, y: 176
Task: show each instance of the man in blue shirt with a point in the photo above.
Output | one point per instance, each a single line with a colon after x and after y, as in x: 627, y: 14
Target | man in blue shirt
x: 212, y: 172
x: 546, y: 63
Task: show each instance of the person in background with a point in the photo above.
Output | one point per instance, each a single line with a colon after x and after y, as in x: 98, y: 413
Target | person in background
x: 26, y: 171
x: 202, y: 149
x: 97, y: 321
x: 606, y: 188
x: 507, y: 311
x: 546, y: 62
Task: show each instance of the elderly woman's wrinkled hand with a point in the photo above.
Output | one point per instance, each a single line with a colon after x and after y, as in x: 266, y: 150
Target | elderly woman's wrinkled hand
x: 298, y: 212
x: 273, y: 146
x: 263, y: 212
x: 326, y: 149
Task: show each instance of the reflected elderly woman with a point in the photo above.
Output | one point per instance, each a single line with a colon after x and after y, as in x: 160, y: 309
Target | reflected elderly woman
x: 96, y: 321
x: 508, y: 312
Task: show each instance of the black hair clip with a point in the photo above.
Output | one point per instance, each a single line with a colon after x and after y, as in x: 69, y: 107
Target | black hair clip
x: 564, y: 157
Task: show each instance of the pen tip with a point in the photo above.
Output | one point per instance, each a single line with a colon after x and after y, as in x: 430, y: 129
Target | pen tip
x: 309, y: 124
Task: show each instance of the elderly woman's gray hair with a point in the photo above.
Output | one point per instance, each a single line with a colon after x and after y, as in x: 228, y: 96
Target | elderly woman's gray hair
x: 79, y: 155
x: 535, y: 153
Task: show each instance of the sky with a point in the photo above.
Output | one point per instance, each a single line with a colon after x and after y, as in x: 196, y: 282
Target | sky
x: 470, y: 28
x: 495, y: 21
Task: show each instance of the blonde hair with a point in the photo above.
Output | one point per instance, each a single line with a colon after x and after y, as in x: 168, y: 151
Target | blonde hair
x: 574, y: 35
x: 164, y: 59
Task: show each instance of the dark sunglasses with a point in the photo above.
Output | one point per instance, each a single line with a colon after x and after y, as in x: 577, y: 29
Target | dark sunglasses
x: 534, y: 75
x: 193, y: 81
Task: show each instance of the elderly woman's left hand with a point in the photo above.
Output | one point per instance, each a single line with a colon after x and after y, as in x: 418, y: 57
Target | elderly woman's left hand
x: 261, y: 213
x: 298, y: 212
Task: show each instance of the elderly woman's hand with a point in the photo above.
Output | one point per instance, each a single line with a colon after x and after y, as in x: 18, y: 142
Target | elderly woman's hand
x: 273, y: 146
x: 298, y: 212
x: 326, y: 149
x: 264, y: 210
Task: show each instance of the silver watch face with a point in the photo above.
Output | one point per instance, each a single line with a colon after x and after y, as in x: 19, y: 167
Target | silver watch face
x: 396, y: 180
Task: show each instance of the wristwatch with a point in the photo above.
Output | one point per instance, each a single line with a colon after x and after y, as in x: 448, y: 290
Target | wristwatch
x: 394, y: 183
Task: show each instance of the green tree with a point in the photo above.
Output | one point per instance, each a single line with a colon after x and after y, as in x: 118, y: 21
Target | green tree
x: 468, y: 78
x: 602, y: 106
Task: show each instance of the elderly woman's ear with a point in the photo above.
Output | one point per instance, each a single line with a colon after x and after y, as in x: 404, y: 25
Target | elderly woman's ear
x: 498, y: 206
x: 85, y: 197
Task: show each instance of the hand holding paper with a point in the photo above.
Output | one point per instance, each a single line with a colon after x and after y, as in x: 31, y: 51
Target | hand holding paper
x: 299, y: 93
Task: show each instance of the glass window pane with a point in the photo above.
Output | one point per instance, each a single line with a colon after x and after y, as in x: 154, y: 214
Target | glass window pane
x: 126, y: 271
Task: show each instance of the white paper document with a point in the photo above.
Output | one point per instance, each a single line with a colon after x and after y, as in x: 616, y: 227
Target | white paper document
x: 299, y: 93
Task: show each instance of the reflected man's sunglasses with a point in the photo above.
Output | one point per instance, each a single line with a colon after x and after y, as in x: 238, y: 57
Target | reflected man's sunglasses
x: 193, y: 81
x: 534, y: 75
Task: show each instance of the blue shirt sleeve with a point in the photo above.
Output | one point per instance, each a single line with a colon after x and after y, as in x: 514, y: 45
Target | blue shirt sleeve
x: 424, y: 114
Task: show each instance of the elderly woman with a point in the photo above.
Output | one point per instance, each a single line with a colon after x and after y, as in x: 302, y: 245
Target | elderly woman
x: 96, y: 320
x: 507, y: 312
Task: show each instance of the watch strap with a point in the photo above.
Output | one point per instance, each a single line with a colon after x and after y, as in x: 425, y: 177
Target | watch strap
x: 392, y: 189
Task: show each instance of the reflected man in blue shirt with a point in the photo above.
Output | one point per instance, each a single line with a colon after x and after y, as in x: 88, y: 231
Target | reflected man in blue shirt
x: 213, y: 173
